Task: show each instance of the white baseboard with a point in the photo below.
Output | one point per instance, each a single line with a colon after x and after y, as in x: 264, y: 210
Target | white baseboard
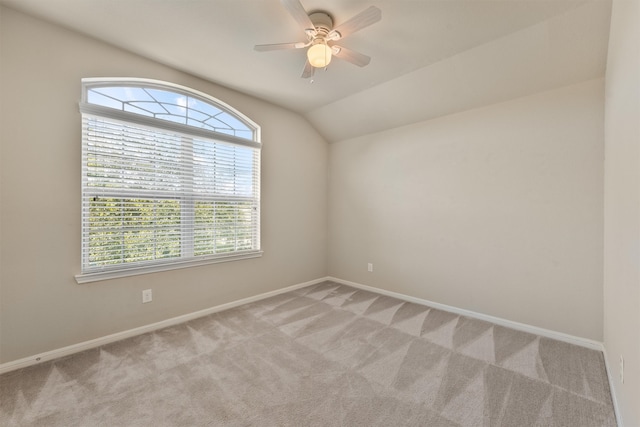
x: 86, y: 345
x: 583, y: 342
x: 616, y: 409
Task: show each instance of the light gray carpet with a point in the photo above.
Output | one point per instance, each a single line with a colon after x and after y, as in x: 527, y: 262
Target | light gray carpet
x: 325, y: 355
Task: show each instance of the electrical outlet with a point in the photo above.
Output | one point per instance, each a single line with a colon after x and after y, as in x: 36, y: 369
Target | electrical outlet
x: 147, y: 296
x: 370, y: 267
x: 621, y: 369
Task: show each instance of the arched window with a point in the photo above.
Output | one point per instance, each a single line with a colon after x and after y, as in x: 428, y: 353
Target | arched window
x: 170, y: 179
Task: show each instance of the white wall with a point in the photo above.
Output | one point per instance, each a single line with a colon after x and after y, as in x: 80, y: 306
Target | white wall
x: 42, y: 306
x: 622, y: 207
x: 496, y: 210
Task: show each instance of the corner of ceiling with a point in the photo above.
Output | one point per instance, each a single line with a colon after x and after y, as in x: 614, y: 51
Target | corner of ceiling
x: 563, y: 50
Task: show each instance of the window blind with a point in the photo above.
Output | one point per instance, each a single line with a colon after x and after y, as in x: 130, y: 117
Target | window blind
x: 157, y: 196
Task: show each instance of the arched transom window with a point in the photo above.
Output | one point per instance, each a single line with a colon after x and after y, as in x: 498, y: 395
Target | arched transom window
x: 170, y: 179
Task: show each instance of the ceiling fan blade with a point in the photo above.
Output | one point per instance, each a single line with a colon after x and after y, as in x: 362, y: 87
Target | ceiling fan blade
x: 352, y: 56
x: 295, y: 8
x: 308, y: 70
x: 365, y: 18
x: 278, y: 46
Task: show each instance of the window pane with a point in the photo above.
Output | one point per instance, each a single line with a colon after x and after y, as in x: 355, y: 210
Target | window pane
x: 207, y: 109
x: 133, y: 230
x: 154, y: 195
x: 124, y: 93
x: 134, y: 109
x: 167, y: 97
x: 224, y: 227
x: 171, y: 106
x: 130, y: 157
x: 152, y: 107
x: 232, y: 122
x: 223, y: 169
x: 99, y: 99
x: 196, y: 115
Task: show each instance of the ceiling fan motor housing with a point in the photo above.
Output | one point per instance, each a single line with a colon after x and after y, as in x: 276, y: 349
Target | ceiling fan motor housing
x: 322, y: 21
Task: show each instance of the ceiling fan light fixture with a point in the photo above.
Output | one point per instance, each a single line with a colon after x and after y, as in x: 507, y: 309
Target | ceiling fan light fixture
x: 319, y: 55
x: 319, y: 31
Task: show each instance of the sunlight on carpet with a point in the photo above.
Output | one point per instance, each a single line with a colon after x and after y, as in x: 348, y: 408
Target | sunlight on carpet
x: 324, y: 355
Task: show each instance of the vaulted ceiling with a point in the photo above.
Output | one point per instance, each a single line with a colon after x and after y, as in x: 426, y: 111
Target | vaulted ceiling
x: 429, y: 57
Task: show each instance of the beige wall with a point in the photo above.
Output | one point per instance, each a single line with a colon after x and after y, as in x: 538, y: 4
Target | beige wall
x: 42, y: 306
x: 622, y: 207
x: 496, y: 210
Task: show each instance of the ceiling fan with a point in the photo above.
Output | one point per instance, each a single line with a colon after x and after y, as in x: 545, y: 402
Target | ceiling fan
x: 321, y: 36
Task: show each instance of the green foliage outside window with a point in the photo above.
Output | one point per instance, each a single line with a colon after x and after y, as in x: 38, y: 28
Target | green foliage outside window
x: 133, y: 230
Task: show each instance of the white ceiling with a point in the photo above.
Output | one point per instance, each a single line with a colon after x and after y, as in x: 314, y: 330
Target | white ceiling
x: 429, y: 57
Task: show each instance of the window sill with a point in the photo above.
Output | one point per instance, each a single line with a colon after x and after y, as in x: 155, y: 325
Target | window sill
x: 135, y: 271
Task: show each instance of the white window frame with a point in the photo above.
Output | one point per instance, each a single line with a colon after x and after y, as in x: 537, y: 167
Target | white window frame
x: 187, y: 259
